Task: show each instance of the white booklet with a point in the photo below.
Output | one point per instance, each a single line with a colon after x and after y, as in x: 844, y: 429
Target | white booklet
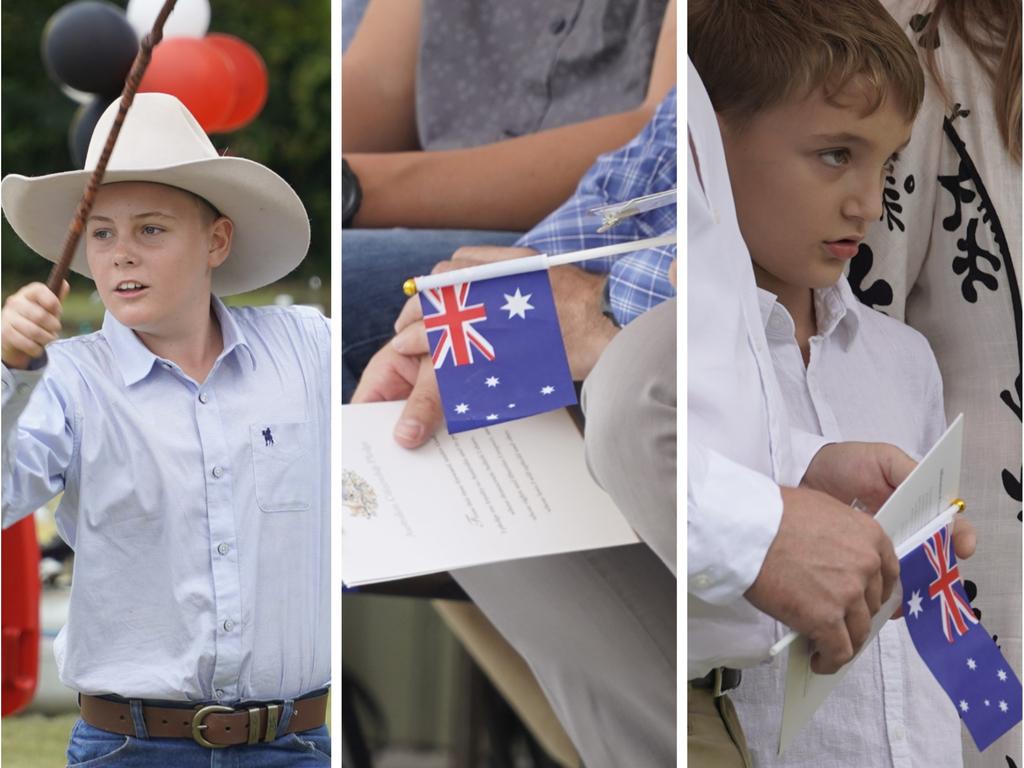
x: 518, y: 489
x: 917, y: 509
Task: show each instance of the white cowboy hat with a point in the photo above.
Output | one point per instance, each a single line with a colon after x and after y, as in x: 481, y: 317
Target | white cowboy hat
x: 161, y: 142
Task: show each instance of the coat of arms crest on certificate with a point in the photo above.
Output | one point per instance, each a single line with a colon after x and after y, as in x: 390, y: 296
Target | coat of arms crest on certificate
x: 358, y: 495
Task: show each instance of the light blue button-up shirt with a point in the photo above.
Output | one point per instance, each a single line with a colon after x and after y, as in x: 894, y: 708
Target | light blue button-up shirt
x: 198, y: 512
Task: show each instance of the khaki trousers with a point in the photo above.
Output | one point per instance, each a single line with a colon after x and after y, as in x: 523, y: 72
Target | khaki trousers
x: 714, y: 738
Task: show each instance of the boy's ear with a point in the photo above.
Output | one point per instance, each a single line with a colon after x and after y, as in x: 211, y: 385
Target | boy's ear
x: 221, y: 233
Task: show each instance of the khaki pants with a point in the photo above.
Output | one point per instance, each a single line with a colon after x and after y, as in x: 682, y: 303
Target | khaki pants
x: 714, y: 738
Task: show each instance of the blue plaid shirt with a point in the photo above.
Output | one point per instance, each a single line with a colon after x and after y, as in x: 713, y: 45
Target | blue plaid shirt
x: 637, y: 281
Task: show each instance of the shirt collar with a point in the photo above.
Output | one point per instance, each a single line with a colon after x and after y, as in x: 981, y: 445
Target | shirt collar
x: 835, y: 308
x: 135, y: 360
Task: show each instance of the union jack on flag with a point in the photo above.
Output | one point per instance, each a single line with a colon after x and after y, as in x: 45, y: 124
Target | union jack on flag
x: 954, y: 644
x: 497, y: 349
x: 454, y: 318
x: 955, y: 608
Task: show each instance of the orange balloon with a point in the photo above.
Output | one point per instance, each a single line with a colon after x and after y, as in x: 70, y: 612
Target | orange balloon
x: 197, y: 73
x: 250, y: 78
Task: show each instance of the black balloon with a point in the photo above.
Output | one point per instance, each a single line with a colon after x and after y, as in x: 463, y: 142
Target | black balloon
x: 82, y: 125
x: 89, y: 45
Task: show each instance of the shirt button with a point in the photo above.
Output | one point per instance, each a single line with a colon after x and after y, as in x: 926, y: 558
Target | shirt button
x: 557, y: 26
x: 223, y: 548
x: 204, y: 398
x: 218, y: 471
x: 22, y: 389
x: 898, y: 733
x: 702, y: 580
x: 228, y: 625
x: 219, y: 693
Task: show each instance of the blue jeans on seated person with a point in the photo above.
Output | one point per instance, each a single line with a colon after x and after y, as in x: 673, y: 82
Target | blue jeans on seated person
x: 91, y: 747
x: 374, y: 264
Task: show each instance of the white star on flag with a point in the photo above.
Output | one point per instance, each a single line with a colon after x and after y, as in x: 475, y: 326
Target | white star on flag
x: 511, y: 405
x: 492, y: 417
x: 492, y: 381
x: 1001, y: 674
x: 547, y: 390
x: 971, y: 664
x: 986, y: 702
x: 914, y: 603
x: 963, y: 706
x: 517, y: 305
x: 1002, y: 706
x: 461, y: 408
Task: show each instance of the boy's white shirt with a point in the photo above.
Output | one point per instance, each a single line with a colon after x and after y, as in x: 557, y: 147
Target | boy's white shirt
x: 869, y: 378
x: 199, y: 513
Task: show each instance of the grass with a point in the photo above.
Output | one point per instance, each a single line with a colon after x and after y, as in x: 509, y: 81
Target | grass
x: 35, y: 741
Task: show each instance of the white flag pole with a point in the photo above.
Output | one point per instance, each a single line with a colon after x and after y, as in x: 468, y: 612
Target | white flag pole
x: 529, y: 264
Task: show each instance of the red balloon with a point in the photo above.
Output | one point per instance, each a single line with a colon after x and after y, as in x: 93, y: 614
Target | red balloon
x: 251, y: 81
x: 198, y: 74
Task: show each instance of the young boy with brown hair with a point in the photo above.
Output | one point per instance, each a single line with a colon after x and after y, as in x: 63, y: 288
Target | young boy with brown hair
x: 191, y: 443
x: 814, y: 101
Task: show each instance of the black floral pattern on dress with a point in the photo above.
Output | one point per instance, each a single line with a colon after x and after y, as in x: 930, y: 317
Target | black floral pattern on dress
x: 975, y: 257
x: 971, y: 590
x: 891, y: 205
x: 917, y: 23
x: 971, y: 264
x: 879, y: 293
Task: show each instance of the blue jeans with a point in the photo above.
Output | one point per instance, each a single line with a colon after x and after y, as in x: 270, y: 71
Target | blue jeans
x: 91, y: 747
x: 374, y: 264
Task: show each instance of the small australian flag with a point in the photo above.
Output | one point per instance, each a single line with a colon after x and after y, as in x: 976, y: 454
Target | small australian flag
x: 952, y: 642
x: 497, y: 349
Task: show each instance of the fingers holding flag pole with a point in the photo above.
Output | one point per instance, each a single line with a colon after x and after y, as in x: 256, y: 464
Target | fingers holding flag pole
x: 414, y: 285
x: 941, y: 521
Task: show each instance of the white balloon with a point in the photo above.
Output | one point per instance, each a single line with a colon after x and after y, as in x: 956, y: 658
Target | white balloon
x: 190, y: 18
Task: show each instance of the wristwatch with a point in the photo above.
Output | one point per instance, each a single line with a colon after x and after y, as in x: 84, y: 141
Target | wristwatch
x: 351, y: 194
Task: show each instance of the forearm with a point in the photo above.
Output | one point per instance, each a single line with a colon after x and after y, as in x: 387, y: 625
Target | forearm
x: 378, y: 79
x: 378, y: 114
x: 25, y: 462
x: 508, y: 185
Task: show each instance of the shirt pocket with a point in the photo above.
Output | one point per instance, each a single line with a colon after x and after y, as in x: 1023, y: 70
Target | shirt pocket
x: 284, y: 466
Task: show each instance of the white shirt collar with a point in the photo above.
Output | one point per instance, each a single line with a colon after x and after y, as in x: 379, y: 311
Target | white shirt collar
x: 136, y: 361
x: 835, y: 307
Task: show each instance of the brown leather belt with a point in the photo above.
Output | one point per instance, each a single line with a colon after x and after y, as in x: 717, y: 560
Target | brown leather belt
x: 210, y: 725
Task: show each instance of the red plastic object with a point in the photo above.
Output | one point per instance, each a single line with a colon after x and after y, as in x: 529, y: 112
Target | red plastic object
x: 251, y: 80
x: 199, y: 74
x: 20, y: 618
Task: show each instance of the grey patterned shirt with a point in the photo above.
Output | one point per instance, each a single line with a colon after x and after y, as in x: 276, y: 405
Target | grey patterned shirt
x: 491, y: 70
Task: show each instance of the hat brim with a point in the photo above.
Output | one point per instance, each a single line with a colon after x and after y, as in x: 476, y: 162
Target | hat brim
x: 271, y: 234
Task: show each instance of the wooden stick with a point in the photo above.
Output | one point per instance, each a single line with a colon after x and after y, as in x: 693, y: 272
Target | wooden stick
x: 131, y: 86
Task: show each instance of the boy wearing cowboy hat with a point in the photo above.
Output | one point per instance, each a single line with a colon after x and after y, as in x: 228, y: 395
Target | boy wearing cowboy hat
x: 191, y: 444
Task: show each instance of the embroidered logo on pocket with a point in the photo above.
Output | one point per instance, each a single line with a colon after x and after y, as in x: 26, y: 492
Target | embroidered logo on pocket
x: 284, y: 467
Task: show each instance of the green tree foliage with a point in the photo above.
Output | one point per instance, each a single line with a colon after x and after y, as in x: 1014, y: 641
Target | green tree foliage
x: 292, y: 134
